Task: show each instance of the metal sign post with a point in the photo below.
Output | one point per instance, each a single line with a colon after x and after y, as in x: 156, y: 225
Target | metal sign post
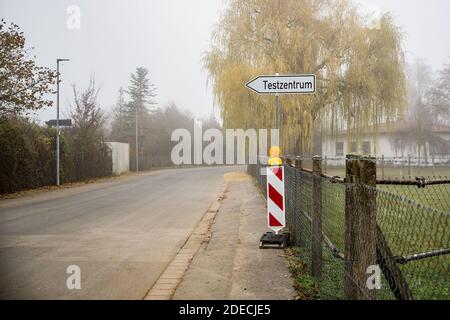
x: 277, y: 110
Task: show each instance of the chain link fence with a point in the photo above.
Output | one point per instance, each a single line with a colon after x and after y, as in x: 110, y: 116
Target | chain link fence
x: 345, y: 229
x: 433, y: 192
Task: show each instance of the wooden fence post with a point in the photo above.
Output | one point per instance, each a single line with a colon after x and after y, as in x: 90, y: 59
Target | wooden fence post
x: 288, y: 161
x: 298, y: 162
x: 360, y: 226
x: 316, y: 232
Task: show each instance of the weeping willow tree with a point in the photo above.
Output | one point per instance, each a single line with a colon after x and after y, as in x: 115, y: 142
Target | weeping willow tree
x: 360, y: 70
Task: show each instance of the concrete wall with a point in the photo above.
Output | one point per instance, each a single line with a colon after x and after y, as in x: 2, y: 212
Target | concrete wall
x: 120, y: 154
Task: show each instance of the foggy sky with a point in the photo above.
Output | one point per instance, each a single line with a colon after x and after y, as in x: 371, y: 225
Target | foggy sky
x: 169, y: 37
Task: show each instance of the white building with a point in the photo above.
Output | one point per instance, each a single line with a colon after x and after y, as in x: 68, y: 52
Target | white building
x: 120, y: 154
x: 336, y: 147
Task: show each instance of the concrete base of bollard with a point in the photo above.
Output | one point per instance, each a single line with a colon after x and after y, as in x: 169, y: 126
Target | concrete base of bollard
x: 272, y: 240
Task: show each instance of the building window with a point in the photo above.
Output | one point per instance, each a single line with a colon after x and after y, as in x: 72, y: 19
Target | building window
x: 339, y: 149
x: 366, y: 147
x: 353, y: 147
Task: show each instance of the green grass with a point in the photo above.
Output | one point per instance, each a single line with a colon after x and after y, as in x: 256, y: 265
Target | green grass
x: 416, y: 226
x: 331, y: 285
x: 304, y: 284
x: 433, y: 196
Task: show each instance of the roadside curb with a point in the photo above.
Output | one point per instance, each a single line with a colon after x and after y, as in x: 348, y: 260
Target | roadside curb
x: 167, y: 283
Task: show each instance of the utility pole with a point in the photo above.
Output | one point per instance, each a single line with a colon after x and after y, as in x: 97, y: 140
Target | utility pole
x: 57, y: 119
x: 137, y: 138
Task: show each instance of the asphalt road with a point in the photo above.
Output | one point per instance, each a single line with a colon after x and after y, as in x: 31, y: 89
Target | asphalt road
x: 122, y: 233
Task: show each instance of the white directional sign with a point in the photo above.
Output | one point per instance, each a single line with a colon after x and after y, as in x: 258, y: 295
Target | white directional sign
x: 299, y: 84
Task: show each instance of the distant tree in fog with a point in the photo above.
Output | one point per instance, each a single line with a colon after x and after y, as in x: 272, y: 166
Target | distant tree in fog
x: 211, y: 123
x: 439, y: 96
x: 86, y: 114
x: 118, y: 113
x: 90, y: 156
x: 141, y: 93
x: 427, y: 108
x: 141, y: 90
x: 156, y: 135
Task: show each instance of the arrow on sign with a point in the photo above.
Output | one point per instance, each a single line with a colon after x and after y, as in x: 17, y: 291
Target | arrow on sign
x: 297, y: 84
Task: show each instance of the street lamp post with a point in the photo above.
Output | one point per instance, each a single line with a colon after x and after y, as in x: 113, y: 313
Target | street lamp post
x: 57, y: 118
x: 137, y: 141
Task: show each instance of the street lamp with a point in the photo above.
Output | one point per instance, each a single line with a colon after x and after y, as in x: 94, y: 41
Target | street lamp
x: 137, y: 140
x: 57, y: 118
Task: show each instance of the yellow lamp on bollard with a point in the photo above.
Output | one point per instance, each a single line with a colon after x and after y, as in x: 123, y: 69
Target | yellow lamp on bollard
x: 274, y: 156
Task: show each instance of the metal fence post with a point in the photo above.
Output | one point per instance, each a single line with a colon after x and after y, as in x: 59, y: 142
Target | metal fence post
x: 293, y: 215
x: 299, y: 234
x: 316, y: 241
x: 409, y: 165
x: 432, y: 163
x: 382, y: 166
x: 360, y: 225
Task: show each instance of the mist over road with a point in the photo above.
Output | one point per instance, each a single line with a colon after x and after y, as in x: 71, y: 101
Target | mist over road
x: 122, y: 234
